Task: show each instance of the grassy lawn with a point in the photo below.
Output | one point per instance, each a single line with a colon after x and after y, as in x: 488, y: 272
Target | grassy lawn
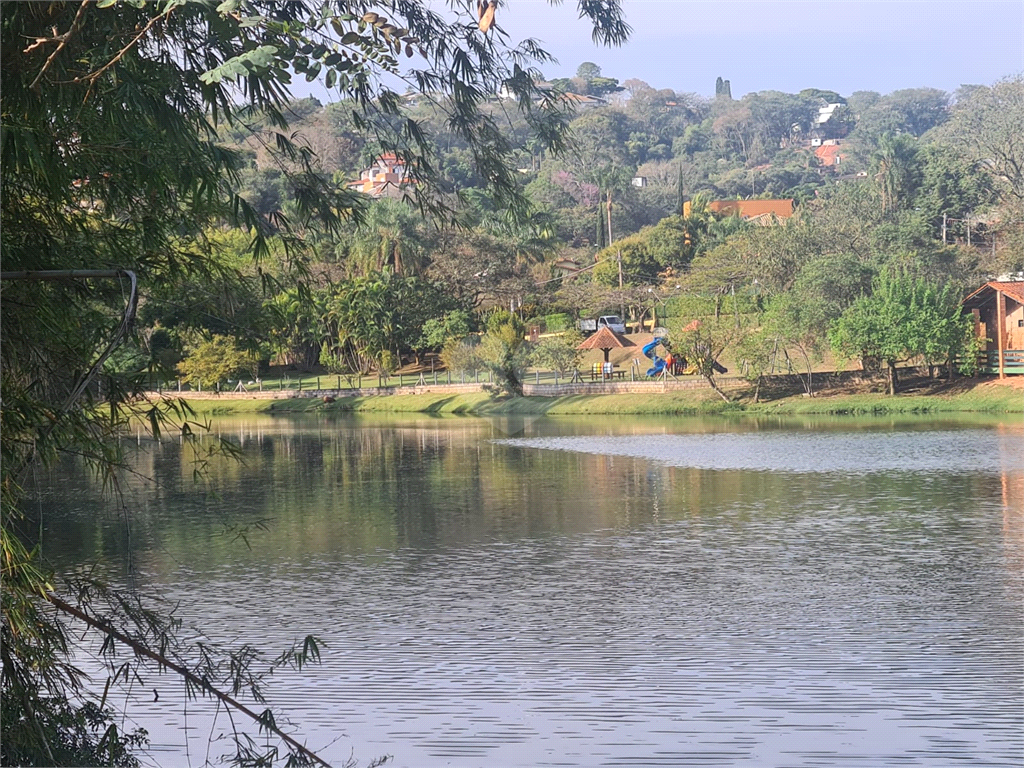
x: 969, y: 395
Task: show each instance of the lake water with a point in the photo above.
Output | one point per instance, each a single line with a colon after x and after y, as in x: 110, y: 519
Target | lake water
x: 589, y: 592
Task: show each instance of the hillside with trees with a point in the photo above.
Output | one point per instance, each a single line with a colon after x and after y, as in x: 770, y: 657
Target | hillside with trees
x: 885, y: 187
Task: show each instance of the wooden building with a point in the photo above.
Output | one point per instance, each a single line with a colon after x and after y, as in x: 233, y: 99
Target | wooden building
x: 998, y: 309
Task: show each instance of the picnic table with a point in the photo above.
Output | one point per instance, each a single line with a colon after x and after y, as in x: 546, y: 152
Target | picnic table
x: 605, y: 373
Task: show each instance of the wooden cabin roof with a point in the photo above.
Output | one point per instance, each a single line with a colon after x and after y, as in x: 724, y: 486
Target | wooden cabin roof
x: 1012, y: 288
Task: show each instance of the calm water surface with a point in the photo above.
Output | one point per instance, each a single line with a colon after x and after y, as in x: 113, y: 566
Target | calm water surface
x: 598, y: 592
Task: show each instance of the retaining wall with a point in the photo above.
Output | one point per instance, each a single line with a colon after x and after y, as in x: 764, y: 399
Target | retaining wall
x: 530, y: 390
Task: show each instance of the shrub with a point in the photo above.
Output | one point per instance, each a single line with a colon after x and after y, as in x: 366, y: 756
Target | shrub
x: 557, y: 322
x: 559, y: 353
x: 213, y: 361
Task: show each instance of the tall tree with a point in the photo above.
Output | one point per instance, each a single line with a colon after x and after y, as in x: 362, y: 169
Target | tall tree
x: 986, y: 126
x: 390, y: 235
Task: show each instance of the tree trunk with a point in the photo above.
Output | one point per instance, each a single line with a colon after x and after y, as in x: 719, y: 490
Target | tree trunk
x: 714, y: 386
x: 891, y: 368
x: 610, y: 239
x: 757, y: 389
x: 809, y: 386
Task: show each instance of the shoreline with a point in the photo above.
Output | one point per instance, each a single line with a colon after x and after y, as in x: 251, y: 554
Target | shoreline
x: 963, y: 396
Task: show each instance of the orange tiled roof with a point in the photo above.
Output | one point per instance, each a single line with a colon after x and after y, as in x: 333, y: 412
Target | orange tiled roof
x: 605, y: 338
x: 828, y: 153
x: 1012, y: 288
x: 748, y: 209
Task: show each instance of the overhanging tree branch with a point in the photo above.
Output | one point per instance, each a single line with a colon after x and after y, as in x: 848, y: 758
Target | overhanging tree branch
x: 163, y: 661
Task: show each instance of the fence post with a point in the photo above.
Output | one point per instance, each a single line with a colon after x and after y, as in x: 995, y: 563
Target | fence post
x: 318, y: 382
x: 435, y: 374
x: 538, y: 377
x: 260, y: 383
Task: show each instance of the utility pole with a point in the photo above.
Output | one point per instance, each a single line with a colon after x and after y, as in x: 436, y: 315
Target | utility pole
x: 943, y: 229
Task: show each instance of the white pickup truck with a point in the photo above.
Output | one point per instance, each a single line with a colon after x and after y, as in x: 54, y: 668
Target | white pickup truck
x: 614, y: 322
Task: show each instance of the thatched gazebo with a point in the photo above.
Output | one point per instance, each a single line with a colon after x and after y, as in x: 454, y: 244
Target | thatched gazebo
x: 606, y: 340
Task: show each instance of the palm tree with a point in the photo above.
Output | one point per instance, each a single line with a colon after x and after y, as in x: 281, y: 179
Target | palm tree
x: 391, y: 235
x: 896, y: 160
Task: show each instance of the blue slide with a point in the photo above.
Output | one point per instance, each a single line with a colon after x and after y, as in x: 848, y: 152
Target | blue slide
x: 659, y: 363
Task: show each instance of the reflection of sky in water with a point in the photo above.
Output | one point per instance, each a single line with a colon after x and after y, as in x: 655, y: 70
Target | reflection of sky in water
x: 848, y: 453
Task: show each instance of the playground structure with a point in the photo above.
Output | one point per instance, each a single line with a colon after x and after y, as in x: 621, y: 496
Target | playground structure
x: 671, y: 363
x: 660, y: 363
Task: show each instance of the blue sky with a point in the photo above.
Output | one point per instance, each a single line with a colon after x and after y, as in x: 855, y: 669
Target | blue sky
x: 783, y: 45
x: 842, y: 45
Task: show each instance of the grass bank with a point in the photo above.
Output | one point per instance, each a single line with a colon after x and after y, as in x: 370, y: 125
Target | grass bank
x: 967, y: 396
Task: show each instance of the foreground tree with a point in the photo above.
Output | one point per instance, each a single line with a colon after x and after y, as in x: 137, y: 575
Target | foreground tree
x: 112, y: 176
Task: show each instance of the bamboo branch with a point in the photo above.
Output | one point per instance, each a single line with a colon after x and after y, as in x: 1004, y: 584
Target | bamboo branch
x: 93, y: 76
x: 163, y: 661
x: 63, y: 41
